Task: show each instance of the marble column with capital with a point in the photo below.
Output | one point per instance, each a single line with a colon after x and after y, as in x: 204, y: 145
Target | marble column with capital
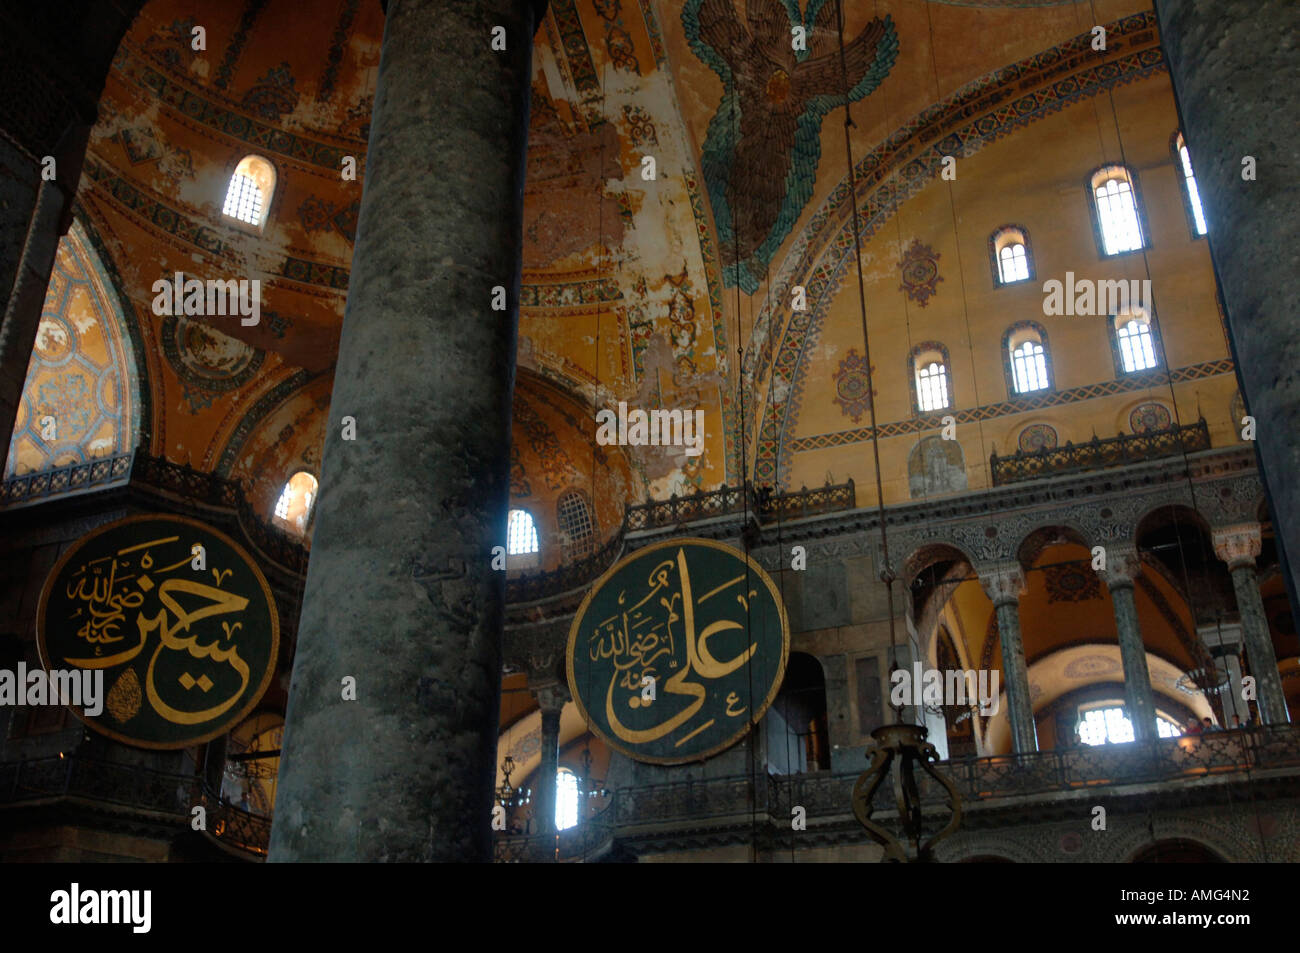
x: 551, y: 699
x: 401, y: 594
x: 1122, y: 567
x: 1005, y: 583
x: 1229, y: 63
x: 1238, y: 546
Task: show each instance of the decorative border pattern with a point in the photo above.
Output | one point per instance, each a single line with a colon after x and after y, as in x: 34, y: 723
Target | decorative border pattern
x: 338, y: 43
x: 264, y: 405
x: 236, y: 47
x: 226, y: 121
x: 1019, y: 405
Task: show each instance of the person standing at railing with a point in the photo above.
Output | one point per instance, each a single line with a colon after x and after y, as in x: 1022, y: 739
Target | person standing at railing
x: 1209, y: 725
x: 1193, y: 727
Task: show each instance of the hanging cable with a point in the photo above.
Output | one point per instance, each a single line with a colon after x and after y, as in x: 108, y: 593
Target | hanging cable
x: 886, y: 570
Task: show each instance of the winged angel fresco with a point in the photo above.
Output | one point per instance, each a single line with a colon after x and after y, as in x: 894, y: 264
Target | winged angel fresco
x: 764, y: 142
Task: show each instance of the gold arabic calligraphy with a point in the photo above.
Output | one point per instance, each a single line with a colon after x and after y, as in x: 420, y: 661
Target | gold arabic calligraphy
x: 104, y: 595
x: 643, y: 641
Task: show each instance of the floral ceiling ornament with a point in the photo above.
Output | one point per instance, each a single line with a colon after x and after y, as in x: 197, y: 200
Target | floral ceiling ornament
x: 852, y: 390
x: 919, y: 267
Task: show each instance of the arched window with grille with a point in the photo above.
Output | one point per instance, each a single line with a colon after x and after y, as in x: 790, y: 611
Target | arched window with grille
x: 1191, y: 195
x: 932, y: 385
x: 577, y: 525
x: 1012, y: 257
x: 248, y: 196
x: 522, y: 545
x: 1026, y: 359
x: 1134, y: 341
x: 1116, y: 210
x: 293, y: 509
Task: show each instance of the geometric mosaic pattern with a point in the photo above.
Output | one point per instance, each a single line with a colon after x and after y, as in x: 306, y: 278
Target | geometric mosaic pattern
x: 1019, y: 405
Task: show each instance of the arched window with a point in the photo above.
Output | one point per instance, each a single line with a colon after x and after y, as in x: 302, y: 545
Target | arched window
x: 576, y: 523
x: 293, y: 508
x: 1191, y: 196
x: 1028, y: 363
x: 932, y: 391
x: 249, y: 194
x: 1012, y: 259
x: 1116, y: 210
x: 566, y: 799
x: 1134, y: 341
x: 521, y: 534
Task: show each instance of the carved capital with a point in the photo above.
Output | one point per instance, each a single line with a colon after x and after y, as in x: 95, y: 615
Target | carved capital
x: 1238, y: 545
x: 1123, y: 565
x: 552, y: 697
x: 1003, y: 581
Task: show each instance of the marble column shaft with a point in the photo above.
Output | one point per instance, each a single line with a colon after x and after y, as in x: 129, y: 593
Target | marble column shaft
x: 1123, y: 565
x: 546, y: 771
x: 1238, y: 546
x: 1259, y: 646
x: 1138, y: 696
x: 400, y: 592
x: 1237, y: 83
x: 1004, y: 585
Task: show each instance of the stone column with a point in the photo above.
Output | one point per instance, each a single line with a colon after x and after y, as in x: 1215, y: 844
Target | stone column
x: 1004, y: 583
x: 1233, y: 68
x: 400, y: 592
x: 551, y: 699
x: 1238, y: 546
x: 1122, y: 567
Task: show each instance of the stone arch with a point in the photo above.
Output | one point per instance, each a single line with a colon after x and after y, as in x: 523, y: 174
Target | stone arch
x: 1038, y: 539
x: 927, y: 554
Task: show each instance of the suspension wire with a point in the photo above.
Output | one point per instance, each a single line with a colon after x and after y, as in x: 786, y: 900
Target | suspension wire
x: 961, y: 274
x: 1158, y: 341
x: 886, y: 571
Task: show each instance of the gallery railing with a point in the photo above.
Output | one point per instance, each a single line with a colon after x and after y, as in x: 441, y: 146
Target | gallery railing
x: 1099, y: 453
x: 721, y: 801
x: 98, y: 473
x: 728, y: 500
x: 676, y: 511
x: 825, y: 795
x: 137, y: 787
x: 588, y: 840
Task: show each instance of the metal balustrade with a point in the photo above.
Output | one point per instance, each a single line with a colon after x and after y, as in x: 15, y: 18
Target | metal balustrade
x: 1100, y: 453
x: 1223, y: 755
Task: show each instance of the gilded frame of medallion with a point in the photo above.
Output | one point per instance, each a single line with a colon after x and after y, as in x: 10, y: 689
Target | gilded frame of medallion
x: 274, y: 653
x: 757, y: 714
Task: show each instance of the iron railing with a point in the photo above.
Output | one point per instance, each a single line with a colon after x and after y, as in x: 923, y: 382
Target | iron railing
x: 1099, y: 453
x: 137, y: 787
x: 99, y: 473
x: 715, y: 801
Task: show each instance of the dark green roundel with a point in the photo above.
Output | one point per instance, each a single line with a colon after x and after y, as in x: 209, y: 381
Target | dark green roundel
x: 186, y: 639
x: 678, y: 651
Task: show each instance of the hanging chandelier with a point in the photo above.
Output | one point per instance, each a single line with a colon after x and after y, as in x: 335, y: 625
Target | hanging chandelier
x: 899, y: 750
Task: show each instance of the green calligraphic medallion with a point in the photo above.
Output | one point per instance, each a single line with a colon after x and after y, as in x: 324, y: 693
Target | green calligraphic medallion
x: 187, y: 647
x: 695, y: 624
